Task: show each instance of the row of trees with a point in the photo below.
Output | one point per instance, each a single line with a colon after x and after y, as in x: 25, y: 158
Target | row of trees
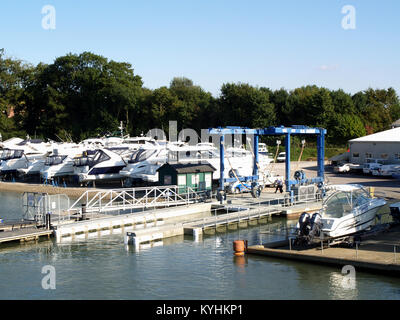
x: 87, y: 95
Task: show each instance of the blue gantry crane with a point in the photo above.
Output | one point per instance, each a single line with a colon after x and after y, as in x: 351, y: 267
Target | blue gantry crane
x: 276, y: 131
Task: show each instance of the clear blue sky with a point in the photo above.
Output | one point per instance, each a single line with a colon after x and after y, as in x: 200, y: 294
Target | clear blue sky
x: 285, y: 43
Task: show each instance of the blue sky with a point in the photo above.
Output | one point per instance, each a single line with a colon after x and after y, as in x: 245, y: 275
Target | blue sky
x: 285, y: 43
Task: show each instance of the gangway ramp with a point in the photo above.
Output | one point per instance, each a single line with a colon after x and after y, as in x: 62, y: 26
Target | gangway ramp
x: 136, y: 198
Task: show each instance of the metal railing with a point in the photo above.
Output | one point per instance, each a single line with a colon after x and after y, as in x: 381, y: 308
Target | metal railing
x: 120, y: 201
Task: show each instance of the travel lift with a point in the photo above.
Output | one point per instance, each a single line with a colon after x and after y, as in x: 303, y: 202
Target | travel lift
x: 300, y: 178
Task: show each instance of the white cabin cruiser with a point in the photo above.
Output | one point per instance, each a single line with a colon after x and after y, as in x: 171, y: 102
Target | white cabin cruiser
x: 143, y: 165
x: 347, y: 210
x: 22, y: 155
x: 60, y: 162
x: 104, y: 164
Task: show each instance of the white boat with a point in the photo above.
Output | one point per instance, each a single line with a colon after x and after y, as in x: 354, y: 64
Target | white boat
x: 93, y: 143
x: 135, y: 143
x: 104, y: 164
x: 23, y: 154
x: 143, y: 165
x: 347, y: 210
x: 60, y: 162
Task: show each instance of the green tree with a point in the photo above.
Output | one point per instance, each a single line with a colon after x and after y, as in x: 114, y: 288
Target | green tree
x: 243, y: 105
x: 310, y: 106
x: 83, y: 94
x: 13, y: 76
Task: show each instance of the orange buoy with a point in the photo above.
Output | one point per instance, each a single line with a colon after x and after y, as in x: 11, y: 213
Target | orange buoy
x: 239, y: 247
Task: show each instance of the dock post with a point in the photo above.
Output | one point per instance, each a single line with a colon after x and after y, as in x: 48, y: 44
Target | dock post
x: 48, y: 221
x: 130, y: 238
x: 83, y: 211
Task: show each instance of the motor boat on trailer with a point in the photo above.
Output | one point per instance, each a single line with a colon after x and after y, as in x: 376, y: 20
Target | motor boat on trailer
x: 104, y: 164
x: 347, y: 210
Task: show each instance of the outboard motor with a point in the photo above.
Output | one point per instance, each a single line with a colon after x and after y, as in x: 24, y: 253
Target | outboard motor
x: 304, y: 225
x: 308, y: 228
x: 316, y: 225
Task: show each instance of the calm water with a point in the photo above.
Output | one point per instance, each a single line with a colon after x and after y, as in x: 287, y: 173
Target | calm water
x: 104, y: 268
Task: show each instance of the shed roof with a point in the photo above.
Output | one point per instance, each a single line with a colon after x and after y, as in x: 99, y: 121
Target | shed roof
x: 391, y: 135
x: 189, y: 167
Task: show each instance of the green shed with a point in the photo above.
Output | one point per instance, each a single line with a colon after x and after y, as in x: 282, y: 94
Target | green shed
x: 196, y: 176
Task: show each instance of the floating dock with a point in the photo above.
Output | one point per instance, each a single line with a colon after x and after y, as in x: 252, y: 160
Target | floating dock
x: 136, y: 209
x: 136, y: 220
x: 24, y: 234
x: 379, y: 253
x: 234, y: 215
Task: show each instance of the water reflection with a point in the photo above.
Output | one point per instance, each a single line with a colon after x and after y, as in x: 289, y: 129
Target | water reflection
x: 342, y: 286
x: 98, y: 265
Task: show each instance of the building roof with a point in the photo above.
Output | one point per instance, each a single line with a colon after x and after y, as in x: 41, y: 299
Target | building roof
x: 189, y: 167
x: 391, y: 135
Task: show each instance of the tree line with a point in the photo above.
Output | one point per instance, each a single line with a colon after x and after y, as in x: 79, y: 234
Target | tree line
x: 86, y: 95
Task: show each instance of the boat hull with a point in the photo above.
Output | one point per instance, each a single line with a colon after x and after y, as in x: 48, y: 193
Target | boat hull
x: 350, y: 224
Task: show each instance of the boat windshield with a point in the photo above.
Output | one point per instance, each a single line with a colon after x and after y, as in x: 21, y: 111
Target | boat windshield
x: 8, y: 154
x: 54, y: 160
x: 5, y: 154
x: 90, y: 159
x: 341, y: 203
x: 142, y: 155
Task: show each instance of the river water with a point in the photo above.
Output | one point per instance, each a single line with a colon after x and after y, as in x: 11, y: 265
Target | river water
x: 104, y: 268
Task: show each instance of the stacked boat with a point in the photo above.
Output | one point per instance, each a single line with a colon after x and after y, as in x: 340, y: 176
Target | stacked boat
x: 23, y: 156
x: 143, y: 164
x: 133, y: 159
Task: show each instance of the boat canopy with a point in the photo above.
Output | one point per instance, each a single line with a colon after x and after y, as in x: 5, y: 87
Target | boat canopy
x: 342, y: 202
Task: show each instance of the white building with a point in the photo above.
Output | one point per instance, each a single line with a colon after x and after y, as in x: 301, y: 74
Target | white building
x: 382, y: 145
